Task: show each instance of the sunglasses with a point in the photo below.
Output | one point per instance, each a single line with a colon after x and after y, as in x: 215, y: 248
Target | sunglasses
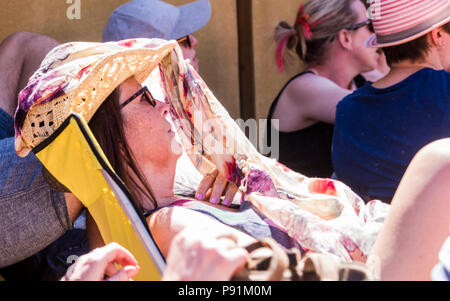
x: 185, y: 41
x: 146, y: 96
x: 357, y: 26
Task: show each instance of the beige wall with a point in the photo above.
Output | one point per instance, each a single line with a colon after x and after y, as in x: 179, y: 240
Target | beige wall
x: 268, y: 80
x: 217, y: 49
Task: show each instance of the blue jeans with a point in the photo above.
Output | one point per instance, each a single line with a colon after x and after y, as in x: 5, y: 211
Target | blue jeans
x: 32, y: 215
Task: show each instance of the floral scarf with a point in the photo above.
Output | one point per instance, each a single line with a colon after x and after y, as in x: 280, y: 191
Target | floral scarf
x: 322, y: 215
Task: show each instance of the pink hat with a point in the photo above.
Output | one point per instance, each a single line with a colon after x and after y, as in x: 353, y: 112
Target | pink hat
x: 400, y: 21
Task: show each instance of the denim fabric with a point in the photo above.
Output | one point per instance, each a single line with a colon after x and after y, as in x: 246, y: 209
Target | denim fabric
x: 6, y: 125
x: 51, y: 263
x: 32, y: 215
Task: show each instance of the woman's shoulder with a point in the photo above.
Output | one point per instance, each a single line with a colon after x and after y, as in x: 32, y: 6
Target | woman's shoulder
x: 308, y: 86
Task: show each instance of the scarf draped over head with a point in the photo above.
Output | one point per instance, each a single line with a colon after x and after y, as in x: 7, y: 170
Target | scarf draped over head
x: 323, y: 215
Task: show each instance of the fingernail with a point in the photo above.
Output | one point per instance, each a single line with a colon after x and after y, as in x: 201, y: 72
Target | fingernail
x: 131, y: 271
x: 200, y: 197
x: 215, y: 200
x: 226, y: 203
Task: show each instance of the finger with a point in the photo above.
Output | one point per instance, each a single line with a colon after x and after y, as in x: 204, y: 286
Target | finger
x: 114, y: 253
x: 208, y: 194
x: 238, y: 257
x: 218, y: 188
x: 205, y: 184
x: 125, y: 274
x: 111, y: 269
x: 230, y: 236
x: 230, y: 192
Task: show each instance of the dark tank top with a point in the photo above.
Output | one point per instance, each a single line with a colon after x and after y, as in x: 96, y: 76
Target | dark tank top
x: 307, y: 151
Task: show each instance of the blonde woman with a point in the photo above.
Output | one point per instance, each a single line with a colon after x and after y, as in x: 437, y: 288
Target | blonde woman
x: 328, y: 37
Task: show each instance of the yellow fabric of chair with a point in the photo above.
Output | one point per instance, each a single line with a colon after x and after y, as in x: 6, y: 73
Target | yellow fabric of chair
x: 73, y: 156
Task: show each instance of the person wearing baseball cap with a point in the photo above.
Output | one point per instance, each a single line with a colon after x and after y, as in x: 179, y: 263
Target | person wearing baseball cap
x: 393, y: 118
x: 158, y: 19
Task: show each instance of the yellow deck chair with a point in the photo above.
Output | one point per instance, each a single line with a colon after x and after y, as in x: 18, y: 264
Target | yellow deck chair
x: 73, y: 156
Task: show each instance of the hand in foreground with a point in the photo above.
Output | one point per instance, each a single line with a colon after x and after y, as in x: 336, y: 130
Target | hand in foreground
x: 213, y: 186
x: 99, y: 264
x: 204, y: 256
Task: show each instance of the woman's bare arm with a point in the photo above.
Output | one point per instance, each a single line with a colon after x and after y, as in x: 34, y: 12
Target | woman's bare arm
x: 166, y: 223
x: 307, y: 100
x: 418, y: 222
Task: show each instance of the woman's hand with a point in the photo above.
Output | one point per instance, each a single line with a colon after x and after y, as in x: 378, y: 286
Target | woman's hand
x: 204, y: 256
x: 99, y: 264
x: 213, y: 186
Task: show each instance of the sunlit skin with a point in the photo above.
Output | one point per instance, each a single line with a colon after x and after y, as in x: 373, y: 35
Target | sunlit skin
x: 151, y: 140
x: 190, y: 53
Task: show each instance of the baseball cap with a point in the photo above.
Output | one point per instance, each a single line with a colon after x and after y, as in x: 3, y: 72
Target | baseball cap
x: 156, y: 19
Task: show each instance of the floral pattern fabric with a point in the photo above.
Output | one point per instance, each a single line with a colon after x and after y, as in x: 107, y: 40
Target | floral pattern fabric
x: 322, y: 215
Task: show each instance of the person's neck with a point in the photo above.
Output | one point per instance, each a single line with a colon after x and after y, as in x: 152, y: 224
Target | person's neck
x: 402, y: 70
x: 337, y: 71
x: 160, y: 179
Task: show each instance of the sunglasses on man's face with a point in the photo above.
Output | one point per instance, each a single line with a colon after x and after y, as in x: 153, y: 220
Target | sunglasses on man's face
x: 367, y: 23
x: 185, y: 41
x: 146, y: 96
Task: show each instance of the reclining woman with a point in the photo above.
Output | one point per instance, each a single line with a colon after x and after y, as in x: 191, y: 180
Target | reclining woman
x: 132, y: 129
x: 130, y: 126
x: 328, y: 38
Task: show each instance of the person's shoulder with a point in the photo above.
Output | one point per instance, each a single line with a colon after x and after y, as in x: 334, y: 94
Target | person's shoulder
x: 309, y: 86
x: 311, y: 78
x: 355, y: 99
x: 435, y: 74
x: 435, y: 81
x: 445, y: 75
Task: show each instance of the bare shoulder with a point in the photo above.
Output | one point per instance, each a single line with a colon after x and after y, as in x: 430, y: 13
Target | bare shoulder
x: 310, y: 87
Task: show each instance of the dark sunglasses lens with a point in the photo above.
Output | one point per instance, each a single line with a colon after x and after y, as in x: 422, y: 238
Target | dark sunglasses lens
x: 371, y: 27
x: 185, y: 41
x: 149, y: 98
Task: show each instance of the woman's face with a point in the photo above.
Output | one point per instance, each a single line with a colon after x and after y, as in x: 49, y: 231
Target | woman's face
x: 366, y: 58
x: 147, y: 131
x: 189, y: 52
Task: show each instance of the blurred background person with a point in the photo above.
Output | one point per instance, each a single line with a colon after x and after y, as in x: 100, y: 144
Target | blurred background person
x: 380, y: 127
x: 328, y: 37
x: 158, y: 19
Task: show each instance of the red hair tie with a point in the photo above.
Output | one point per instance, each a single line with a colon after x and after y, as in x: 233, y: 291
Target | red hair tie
x: 304, y: 20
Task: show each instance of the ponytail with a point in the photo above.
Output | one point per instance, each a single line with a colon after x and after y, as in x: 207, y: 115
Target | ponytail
x: 316, y: 24
x: 286, y: 37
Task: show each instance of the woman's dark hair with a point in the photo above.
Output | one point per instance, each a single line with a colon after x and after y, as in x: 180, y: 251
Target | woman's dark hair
x: 107, y: 127
x: 413, y: 51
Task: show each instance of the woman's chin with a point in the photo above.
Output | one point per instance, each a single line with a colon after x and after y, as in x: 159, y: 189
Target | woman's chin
x: 176, y: 148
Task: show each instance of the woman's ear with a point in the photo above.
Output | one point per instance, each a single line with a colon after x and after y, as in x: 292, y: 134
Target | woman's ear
x: 345, y: 40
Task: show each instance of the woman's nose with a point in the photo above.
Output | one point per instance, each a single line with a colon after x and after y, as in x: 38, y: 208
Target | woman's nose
x: 162, y: 108
x: 193, y: 40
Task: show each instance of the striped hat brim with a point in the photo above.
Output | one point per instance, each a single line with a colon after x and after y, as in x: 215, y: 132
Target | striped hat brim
x: 378, y: 41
